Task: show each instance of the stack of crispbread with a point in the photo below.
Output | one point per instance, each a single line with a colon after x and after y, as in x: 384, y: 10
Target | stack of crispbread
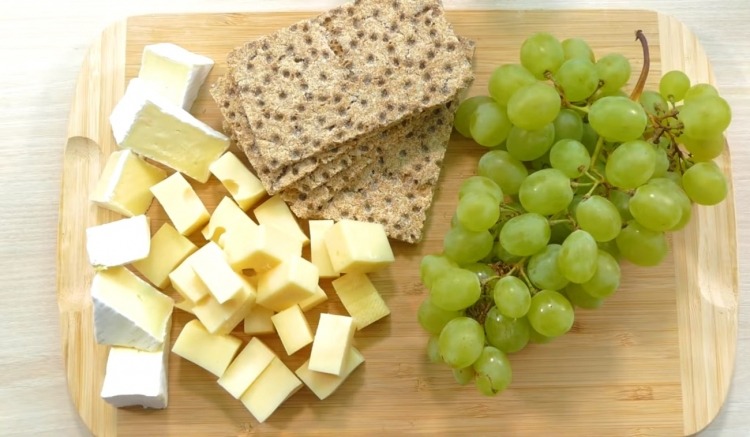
x: 348, y: 115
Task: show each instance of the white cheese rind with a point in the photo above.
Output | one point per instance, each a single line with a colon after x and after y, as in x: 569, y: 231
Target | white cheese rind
x: 174, y: 73
x: 119, y: 242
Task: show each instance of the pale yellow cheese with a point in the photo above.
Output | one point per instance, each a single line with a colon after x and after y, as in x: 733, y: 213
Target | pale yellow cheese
x: 124, y: 184
x: 311, y: 302
x: 181, y: 204
x: 245, y: 188
x: 225, y: 217
x: 360, y: 298
x: 287, y: 284
x: 185, y: 305
x: 213, y: 352
x: 168, y: 250
x: 318, y: 250
x: 274, y: 212
x: 258, y: 321
x: 260, y: 248
x: 293, y: 329
x: 331, y: 344
x: 324, y: 384
x: 222, y: 318
x: 214, y: 270
x: 186, y: 281
x: 358, y: 247
x: 246, y: 368
x: 274, y: 386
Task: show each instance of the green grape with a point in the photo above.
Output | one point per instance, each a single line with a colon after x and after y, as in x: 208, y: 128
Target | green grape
x: 512, y: 297
x: 653, y: 103
x: 527, y: 145
x: 606, y: 280
x: 631, y: 164
x: 545, y: 192
x: 506, y: 171
x: 543, y: 269
x: 462, y: 119
x: 489, y: 124
x: 493, y: 371
x: 534, y: 106
x: 432, y: 318
x: 506, y: 80
x: 700, y: 90
x: 705, y: 184
x: 503, y: 255
x: 550, y: 314
x: 482, y: 270
x: 614, y: 72
x: 680, y: 198
x: 703, y: 150
x: 611, y: 248
x: 477, y: 211
x: 705, y: 117
x: 654, y: 208
x: 570, y: 157
x: 621, y: 201
x: 578, y: 297
x: 576, y: 48
x: 560, y: 231
x: 433, y: 350
x: 541, y: 53
x: 464, y: 246
x: 599, y: 217
x: 568, y: 125
x: 661, y: 162
x: 506, y: 333
x: 456, y: 290
x: 481, y: 184
x: 464, y: 375
x: 537, y: 338
x: 642, y: 246
x: 674, y: 177
x: 461, y: 342
x: 432, y: 266
x: 618, y: 118
x: 674, y: 85
x: 589, y: 137
x: 577, y: 259
x: 578, y: 79
x: 525, y: 234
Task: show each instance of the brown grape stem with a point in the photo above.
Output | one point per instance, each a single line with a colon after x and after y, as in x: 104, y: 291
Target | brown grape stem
x: 636, y: 94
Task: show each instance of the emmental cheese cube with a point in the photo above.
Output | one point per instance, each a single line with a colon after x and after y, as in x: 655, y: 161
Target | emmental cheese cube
x: 174, y: 73
x: 225, y: 217
x: 287, y: 284
x: 181, y: 204
x: 119, y: 242
x: 258, y: 321
x: 246, y: 368
x: 186, y: 281
x: 212, y: 352
x: 245, y: 188
x: 358, y: 247
x: 311, y: 302
x: 318, y: 250
x: 123, y: 186
x: 324, y: 384
x: 293, y: 329
x: 274, y: 386
x: 168, y: 250
x: 260, y: 248
x: 331, y: 344
x: 274, y: 212
x: 222, y: 318
x: 360, y: 298
x: 214, y: 270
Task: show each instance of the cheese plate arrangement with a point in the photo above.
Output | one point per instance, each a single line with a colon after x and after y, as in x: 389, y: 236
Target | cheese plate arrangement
x: 384, y: 217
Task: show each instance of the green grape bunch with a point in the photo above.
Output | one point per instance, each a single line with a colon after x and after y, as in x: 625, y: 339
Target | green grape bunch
x: 578, y: 175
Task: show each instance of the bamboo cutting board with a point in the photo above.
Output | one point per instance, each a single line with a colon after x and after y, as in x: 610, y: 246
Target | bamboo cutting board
x: 657, y: 359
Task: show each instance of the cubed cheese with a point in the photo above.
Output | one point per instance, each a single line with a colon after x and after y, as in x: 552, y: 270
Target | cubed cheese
x: 159, y: 130
x: 245, y: 188
x: 274, y: 386
x: 311, y: 302
x: 331, y: 344
x: 260, y: 248
x: 360, y: 298
x: 324, y: 384
x: 287, y: 284
x: 174, y: 73
x: 118, y: 243
x: 181, y: 204
x: 293, y: 329
x: 185, y: 305
x: 246, y: 368
x: 274, y: 212
x: 222, y: 318
x: 187, y: 283
x: 225, y: 217
x: 168, y: 250
x: 358, y: 247
x: 214, y: 270
x: 128, y: 311
x: 212, y: 352
x: 258, y: 321
x: 318, y: 250
x: 124, y: 184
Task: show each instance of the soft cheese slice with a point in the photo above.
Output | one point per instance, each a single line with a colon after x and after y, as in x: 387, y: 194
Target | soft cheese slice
x: 134, y: 377
x: 245, y: 188
x: 293, y: 329
x: 222, y: 318
x: 275, y: 212
x: 311, y: 302
x: 119, y: 242
x: 260, y: 248
x: 212, y: 352
x: 174, y: 72
x: 274, y: 386
x: 287, y: 284
x: 168, y: 250
x: 246, y: 368
x: 165, y: 132
x: 258, y: 321
x: 318, y: 250
x: 123, y: 186
x: 324, y: 384
x: 128, y: 311
x: 225, y: 217
x: 358, y: 247
x: 331, y: 344
x: 215, y: 272
x: 360, y: 298
x: 181, y: 203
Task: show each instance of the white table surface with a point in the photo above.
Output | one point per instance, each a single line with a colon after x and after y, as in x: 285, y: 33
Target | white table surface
x: 42, y: 44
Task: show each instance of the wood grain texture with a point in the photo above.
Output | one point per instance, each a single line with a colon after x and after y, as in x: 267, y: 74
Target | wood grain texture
x: 655, y: 360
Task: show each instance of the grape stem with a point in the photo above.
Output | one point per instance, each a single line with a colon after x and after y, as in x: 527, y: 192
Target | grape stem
x: 526, y: 279
x: 636, y: 94
x: 597, y: 151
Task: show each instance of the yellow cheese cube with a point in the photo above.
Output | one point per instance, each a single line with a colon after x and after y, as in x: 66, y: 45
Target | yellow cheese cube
x: 215, y: 272
x: 360, y: 298
x: 186, y: 281
x: 212, y: 352
x: 293, y: 329
x: 287, y: 284
x: 311, y: 302
x: 331, y: 344
x: 181, y: 204
x: 324, y: 384
x: 245, y: 188
x: 274, y: 212
x: 274, y: 386
x: 225, y: 217
x: 222, y: 318
x: 358, y: 247
x: 318, y: 250
x: 260, y: 248
x: 258, y: 321
x: 124, y: 184
x: 185, y: 305
x: 168, y: 250
x: 246, y: 368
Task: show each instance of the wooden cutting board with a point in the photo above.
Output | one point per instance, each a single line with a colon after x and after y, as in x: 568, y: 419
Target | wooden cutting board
x: 656, y: 360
